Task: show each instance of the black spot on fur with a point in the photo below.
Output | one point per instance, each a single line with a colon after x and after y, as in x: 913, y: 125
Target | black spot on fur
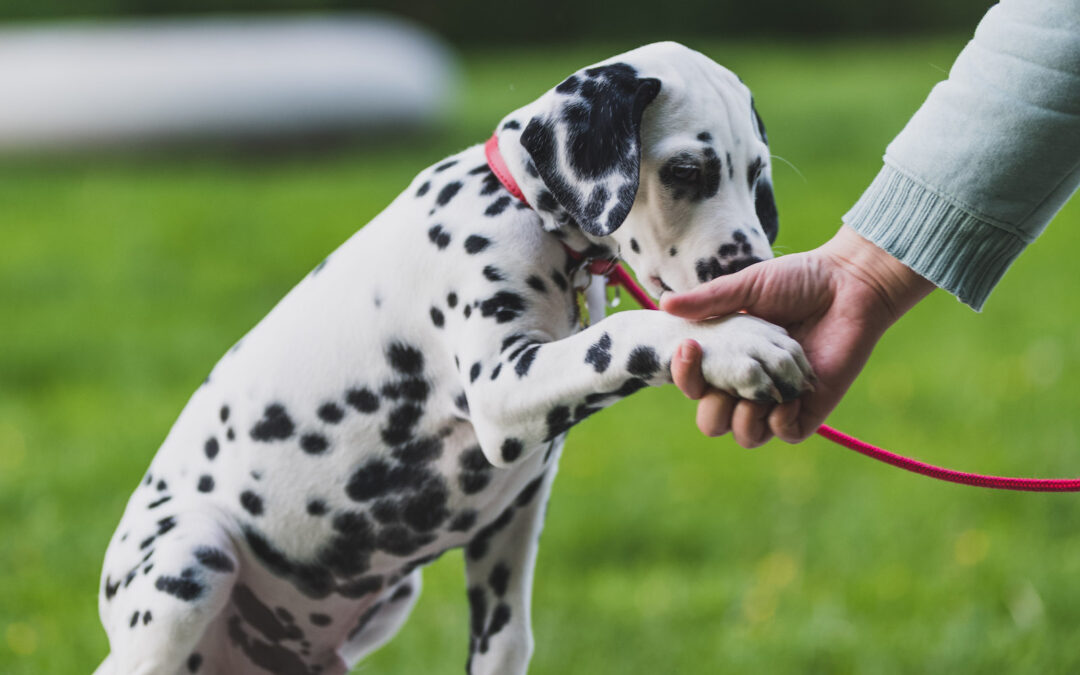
x: 643, y: 362
x: 260, y: 617
x: 362, y: 586
x: 471, y: 483
x: 206, y: 483
x: 497, y: 206
x: 492, y: 273
x: 529, y: 491
x: 536, y: 283
x: 499, y: 578
x: 377, y: 478
x: 463, y: 521
x: 321, y: 619
x: 224, y: 413
x: 363, y: 400
x: 474, y: 372
x: 478, y: 547
x: 439, y: 236
x: 214, y: 559
x: 405, y: 359
x: 509, y: 341
x: 331, y: 413
x: 599, y: 354
x: 451, y: 300
x: 314, y: 444
x: 184, y: 587
x: 419, y: 451
x: 525, y: 362
x: 672, y: 251
x: 251, y: 502
x: 499, y: 619
x: 560, y: 280
x: 427, y: 510
x: 511, y: 449
x: 512, y: 124
x: 475, y: 243
x: 558, y: 421
x: 477, y: 610
x: 401, y: 593
x: 274, y: 425
x: 317, y: 507
x: 705, y: 137
x: 437, y: 317
x: 568, y: 86
x: 765, y: 206
x: 447, y: 193
x: 211, y: 448
x: 473, y: 459
x: 495, y: 371
x: 491, y: 185
x: 423, y: 189
x: 445, y: 165
x: 758, y: 124
x: 504, y: 306
x: 157, y: 503
x: 399, y: 541
x: 194, y: 662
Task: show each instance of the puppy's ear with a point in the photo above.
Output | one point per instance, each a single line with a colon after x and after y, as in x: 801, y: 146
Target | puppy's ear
x: 587, y: 146
x: 764, y: 202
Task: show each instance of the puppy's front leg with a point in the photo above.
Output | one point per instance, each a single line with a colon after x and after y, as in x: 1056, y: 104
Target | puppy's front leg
x: 526, y: 391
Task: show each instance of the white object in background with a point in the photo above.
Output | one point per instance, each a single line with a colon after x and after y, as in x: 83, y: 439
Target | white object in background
x: 93, y: 84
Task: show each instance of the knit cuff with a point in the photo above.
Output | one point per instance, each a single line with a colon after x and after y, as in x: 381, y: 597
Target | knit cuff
x: 934, y: 236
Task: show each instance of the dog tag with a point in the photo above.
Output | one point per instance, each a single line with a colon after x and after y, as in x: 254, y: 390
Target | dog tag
x: 596, y: 297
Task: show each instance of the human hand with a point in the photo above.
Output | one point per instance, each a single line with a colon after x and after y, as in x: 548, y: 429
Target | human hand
x: 836, y: 300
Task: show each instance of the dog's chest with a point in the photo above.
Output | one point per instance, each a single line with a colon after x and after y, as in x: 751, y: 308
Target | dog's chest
x: 335, y: 437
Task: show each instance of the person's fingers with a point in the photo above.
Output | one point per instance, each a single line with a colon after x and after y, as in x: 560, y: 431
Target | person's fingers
x: 686, y: 370
x: 714, y: 412
x: 784, y: 422
x: 719, y: 297
x: 749, y: 423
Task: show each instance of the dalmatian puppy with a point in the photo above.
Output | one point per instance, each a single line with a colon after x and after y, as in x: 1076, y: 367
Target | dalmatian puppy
x: 412, y: 394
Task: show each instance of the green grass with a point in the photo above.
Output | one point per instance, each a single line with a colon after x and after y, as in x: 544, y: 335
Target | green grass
x: 122, y: 280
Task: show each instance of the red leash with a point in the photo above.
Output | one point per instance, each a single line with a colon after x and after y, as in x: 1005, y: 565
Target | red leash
x: 618, y: 276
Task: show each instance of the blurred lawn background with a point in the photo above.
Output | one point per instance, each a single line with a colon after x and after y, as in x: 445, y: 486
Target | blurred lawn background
x: 122, y: 280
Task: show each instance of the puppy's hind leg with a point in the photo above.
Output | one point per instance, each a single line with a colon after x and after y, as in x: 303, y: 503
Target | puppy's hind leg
x: 160, y: 591
x: 499, y: 563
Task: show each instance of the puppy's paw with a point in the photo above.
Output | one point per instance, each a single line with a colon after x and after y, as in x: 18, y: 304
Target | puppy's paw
x: 753, y: 359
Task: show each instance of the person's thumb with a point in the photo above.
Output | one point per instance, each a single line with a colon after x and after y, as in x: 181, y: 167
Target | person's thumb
x: 719, y: 297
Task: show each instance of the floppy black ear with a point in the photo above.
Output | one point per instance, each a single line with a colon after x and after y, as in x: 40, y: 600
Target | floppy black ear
x: 587, y: 148
x: 764, y: 202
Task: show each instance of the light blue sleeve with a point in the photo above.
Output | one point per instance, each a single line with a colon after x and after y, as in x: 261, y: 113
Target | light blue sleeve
x: 989, y: 158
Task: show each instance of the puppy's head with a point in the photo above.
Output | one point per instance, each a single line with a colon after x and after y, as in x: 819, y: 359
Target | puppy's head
x: 657, y: 153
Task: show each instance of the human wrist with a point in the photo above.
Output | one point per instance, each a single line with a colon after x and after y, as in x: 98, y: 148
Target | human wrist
x: 897, y: 286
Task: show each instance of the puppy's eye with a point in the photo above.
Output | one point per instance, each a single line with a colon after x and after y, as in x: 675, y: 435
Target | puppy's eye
x: 685, y: 173
x: 754, y: 171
